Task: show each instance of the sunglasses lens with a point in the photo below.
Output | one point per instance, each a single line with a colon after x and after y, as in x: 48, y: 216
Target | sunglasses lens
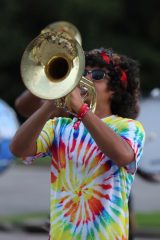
x: 98, y: 74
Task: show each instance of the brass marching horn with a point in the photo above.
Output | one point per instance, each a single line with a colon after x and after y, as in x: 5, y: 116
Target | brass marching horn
x: 52, y: 66
x: 64, y: 26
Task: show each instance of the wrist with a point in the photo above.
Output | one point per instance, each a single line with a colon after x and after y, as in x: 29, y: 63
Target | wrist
x: 82, y: 111
x: 78, y: 107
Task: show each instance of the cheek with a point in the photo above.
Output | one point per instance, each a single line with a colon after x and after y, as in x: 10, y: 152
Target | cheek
x: 100, y: 87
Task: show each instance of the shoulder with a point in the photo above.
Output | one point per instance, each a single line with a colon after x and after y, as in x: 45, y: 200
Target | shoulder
x: 121, y: 124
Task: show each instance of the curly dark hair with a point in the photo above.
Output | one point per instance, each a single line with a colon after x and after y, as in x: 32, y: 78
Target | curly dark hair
x: 125, y: 98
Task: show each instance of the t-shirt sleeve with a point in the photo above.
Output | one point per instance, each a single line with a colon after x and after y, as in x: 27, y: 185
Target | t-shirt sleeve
x: 44, y: 142
x: 133, y: 133
x: 46, y: 137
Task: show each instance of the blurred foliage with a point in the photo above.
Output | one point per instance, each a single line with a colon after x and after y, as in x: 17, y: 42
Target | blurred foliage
x: 149, y: 221
x: 24, y: 219
x: 129, y: 27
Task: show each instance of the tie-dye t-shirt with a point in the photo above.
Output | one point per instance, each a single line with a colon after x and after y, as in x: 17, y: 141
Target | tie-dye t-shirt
x: 89, y: 192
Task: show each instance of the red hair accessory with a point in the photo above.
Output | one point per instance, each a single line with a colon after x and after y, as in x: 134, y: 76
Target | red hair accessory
x: 124, y: 77
x: 105, y: 57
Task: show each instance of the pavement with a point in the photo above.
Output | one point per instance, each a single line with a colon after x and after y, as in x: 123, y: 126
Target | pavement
x: 25, y: 189
x: 146, y: 195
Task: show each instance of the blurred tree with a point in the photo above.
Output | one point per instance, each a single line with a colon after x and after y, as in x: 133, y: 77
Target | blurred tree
x: 129, y: 27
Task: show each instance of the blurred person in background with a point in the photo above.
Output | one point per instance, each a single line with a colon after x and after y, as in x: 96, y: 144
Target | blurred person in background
x: 8, y: 127
x: 94, y: 155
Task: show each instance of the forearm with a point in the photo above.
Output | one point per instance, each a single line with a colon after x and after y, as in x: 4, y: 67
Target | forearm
x: 108, y: 141
x: 27, y: 103
x: 24, y: 141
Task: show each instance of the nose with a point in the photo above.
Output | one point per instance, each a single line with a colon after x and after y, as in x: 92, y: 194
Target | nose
x: 89, y: 76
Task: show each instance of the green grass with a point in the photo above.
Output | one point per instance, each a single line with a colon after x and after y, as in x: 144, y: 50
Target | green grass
x: 148, y: 220
x: 22, y: 218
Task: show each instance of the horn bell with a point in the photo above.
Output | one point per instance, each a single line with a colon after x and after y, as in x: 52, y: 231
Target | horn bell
x: 64, y: 26
x: 52, y: 65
